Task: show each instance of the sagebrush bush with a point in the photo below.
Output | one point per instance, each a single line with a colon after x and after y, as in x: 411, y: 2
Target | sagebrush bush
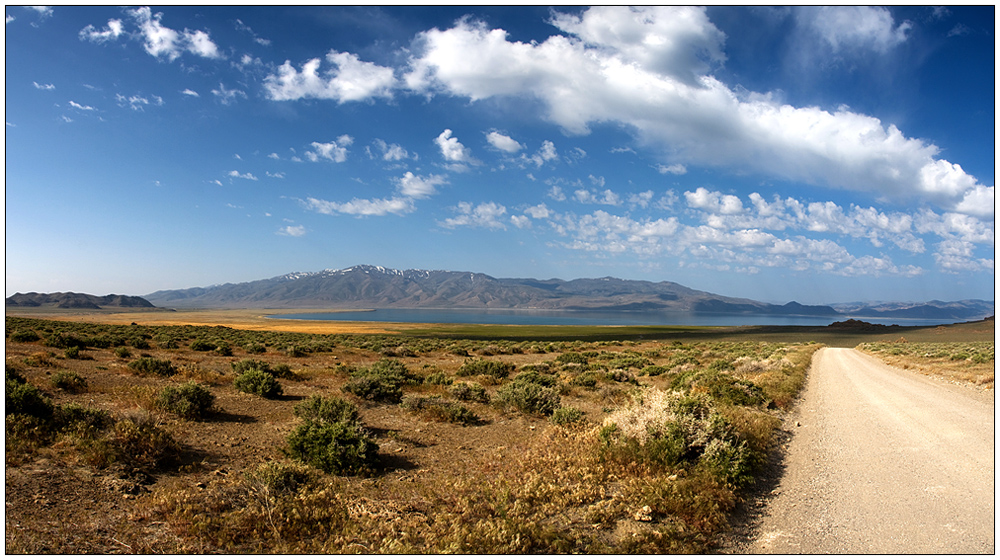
x: 440, y: 409
x: 670, y: 428
x: 543, y: 379
x: 190, y: 400
x: 81, y: 421
x: 283, y: 371
x: 566, y: 415
x: 469, y: 392
x: 375, y: 388
x: 383, y: 381
x: 254, y: 348
x: 25, y: 335
x: 333, y: 447
x: 528, y: 397
x: 438, y: 378
x: 280, y: 478
x: 327, y: 409
x: 202, y: 345
x: 123, y: 352
x: 152, y: 366
x: 140, y: 442
x: 69, y: 382
x: 258, y: 382
x: 722, y: 386
x: 490, y: 368
x: 24, y: 398
x: 571, y: 358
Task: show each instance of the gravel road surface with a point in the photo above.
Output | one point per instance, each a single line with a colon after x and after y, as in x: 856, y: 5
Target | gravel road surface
x: 882, y: 461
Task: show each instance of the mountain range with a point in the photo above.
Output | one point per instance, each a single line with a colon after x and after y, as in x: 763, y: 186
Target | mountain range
x: 366, y: 286
x: 73, y: 300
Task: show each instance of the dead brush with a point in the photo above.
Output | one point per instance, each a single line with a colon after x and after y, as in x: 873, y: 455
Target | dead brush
x: 275, y: 507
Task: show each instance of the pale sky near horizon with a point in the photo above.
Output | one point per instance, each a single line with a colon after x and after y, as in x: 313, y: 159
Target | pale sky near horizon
x: 820, y: 155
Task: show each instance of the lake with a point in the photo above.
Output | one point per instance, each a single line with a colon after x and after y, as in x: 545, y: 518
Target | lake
x: 585, y: 318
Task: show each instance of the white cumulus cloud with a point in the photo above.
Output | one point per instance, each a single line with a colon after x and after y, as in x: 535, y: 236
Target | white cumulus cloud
x: 350, y: 79
x: 485, y: 215
x: 503, y: 142
x: 414, y: 186
x: 162, y: 41
x: 335, y: 151
x: 846, y: 27
x: 292, y: 231
x: 647, y: 68
x: 114, y: 29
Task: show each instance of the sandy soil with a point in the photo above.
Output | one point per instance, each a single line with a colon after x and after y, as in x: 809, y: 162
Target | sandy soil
x: 881, y: 461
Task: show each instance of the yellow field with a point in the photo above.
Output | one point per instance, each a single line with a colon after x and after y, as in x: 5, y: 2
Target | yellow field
x: 247, y: 319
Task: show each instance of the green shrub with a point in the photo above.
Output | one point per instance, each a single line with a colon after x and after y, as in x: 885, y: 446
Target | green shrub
x: 543, y: 379
x: 469, y: 392
x: 496, y: 370
x: 224, y: 349
x: 572, y: 358
x: 392, y: 369
x: 375, y: 388
x: 64, y: 340
x: 123, y: 352
x: 254, y: 348
x: 190, y: 400
x: 24, y: 398
x: 337, y: 448
x: 152, y: 366
x: 328, y: 410
x: 586, y: 379
x: 382, y: 381
x: 653, y: 371
x: 81, y: 421
x: 140, y: 343
x: 72, y: 353
x: 202, y: 345
x: 723, y: 387
x: 671, y: 428
x: 629, y: 360
x: 24, y: 335
x: 258, y: 382
x: 438, y: 378
x: 282, y: 371
x: 528, y: 397
x: 440, y: 409
x: 69, y: 382
x: 566, y: 415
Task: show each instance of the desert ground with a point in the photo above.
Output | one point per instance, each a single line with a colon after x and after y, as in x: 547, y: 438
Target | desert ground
x: 500, y: 472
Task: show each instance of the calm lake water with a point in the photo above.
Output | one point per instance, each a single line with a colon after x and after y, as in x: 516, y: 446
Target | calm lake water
x: 585, y: 318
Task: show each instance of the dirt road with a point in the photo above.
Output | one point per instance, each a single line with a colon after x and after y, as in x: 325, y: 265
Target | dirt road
x: 882, y: 461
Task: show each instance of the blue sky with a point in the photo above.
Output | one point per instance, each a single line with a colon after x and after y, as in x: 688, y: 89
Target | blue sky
x: 813, y: 154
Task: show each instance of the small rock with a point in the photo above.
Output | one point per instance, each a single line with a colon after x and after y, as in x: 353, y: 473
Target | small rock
x: 645, y: 514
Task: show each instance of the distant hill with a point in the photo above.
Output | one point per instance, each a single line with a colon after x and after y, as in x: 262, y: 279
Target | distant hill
x: 72, y: 300
x: 964, y: 309
x: 366, y: 286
